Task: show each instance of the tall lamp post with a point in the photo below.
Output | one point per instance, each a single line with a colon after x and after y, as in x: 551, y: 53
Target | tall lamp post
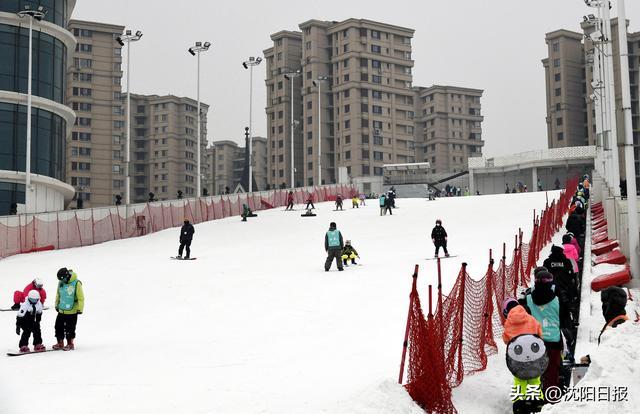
x: 195, y: 51
x: 249, y: 64
x: 291, y: 76
x: 38, y: 15
x: 318, y: 83
x: 128, y: 38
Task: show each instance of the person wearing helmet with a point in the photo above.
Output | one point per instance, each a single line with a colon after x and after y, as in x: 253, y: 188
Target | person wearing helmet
x: 439, y: 238
x: 20, y: 296
x: 69, y: 304
x: 28, y: 320
x: 333, y: 245
x: 186, y: 236
x: 349, y: 253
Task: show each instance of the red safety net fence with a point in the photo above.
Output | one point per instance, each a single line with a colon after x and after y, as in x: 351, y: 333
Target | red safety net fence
x: 456, y: 338
x: 75, y: 228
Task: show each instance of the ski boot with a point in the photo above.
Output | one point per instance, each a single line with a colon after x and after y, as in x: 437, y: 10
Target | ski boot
x: 59, y: 345
x: 446, y: 255
x: 353, y: 261
x: 69, y: 346
x: 24, y: 349
x: 39, y: 348
x: 435, y: 256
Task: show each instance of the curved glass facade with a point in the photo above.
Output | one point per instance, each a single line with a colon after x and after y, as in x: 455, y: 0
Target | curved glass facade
x: 56, y: 9
x: 49, y: 63
x: 48, y: 134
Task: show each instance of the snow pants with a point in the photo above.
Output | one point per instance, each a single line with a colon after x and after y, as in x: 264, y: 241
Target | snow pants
x: 551, y: 377
x: 66, y: 326
x: 310, y: 203
x: 345, y: 258
x: 289, y: 206
x: 527, y: 395
x: 331, y: 254
x: 183, y: 244
x: 442, y: 244
x: 27, y: 330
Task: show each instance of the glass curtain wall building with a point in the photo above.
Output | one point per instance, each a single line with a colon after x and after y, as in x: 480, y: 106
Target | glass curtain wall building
x: 51, y: 119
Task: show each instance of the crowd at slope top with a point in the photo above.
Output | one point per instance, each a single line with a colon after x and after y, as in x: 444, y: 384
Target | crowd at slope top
x: 520, y: 187
x: 29, y: 303
x: 540, y: 327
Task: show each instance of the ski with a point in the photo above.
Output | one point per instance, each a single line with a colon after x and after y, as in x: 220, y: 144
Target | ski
x: 32, y: 352
x: 14, y: 310
x: 442, y: 257
x: 181, y: 258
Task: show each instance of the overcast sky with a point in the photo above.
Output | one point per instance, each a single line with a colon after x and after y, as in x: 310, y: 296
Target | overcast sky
x: 495, y: 45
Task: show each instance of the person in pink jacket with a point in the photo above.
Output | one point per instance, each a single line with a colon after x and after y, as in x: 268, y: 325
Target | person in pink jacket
x: 570, y: 252
x: 20, y: 296
x: 575, y: 243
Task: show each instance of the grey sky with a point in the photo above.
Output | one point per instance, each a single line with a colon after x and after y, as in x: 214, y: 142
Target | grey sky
x: 495, y: 45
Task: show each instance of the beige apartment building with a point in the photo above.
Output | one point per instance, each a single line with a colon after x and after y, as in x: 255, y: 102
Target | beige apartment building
x: 228, y: 163
x: 449, y: 127
x: 571, y: 118
x: 164, y: 146
x: 366, y: 111
x: 95, y: 155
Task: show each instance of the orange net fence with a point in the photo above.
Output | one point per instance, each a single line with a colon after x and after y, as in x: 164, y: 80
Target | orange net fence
x: 456, y: 339
x: 75, y: 228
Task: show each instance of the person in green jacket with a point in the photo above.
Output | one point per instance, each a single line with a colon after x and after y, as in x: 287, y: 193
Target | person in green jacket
x: 69, y: 304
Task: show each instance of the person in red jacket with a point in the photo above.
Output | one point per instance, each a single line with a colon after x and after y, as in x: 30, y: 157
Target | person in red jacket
x: 20, y: 296
x: 289, y: 201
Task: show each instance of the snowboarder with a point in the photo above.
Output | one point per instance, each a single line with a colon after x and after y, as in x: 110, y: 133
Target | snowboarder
x: 28, y: 319
x: 310, y: 202
x: 383, y: 203
x: 388, y: 203
x: 20, y: 296
x: 338, y: 202
x: 69, y: 304
x: 439, y: 238
x: 333, y: 245
x: 186, y: 235
x: 349, y: 253
x: 355, y: 202
x: 362, y: 199
x: 289, y: 202
x: 246, y: 212
x: 391, y: 196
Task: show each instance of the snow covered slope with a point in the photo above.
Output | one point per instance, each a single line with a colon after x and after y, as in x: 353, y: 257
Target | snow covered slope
x: 255, y: 324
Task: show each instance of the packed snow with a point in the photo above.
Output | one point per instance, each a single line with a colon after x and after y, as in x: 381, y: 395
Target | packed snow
x: 255, y: 324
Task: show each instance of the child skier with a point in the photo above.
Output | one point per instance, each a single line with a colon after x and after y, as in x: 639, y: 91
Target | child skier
x: 383, y: 204
x: 20, y: 296
x: 348, y: 252
x: 355, y: 202
x: 69, y: 304
x: 338, y: 202
x: 362, y: 199
x: 439, y: 238
x: 289, y: 202
x: 310, y: 202
x: 28, y: 319
x: 186, y: 236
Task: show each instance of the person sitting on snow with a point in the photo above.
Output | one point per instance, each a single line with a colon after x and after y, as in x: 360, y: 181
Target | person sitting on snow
x: 348, y: 252
x: 20, y: 296
x: 28, y: 320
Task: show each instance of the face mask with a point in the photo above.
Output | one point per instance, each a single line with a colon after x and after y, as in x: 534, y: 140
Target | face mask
x: 186, y: 222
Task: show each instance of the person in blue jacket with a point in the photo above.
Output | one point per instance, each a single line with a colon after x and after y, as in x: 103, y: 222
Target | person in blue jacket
x: 333, y: 245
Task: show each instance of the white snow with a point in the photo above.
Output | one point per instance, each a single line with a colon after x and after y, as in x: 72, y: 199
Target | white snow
x: 255, y: 325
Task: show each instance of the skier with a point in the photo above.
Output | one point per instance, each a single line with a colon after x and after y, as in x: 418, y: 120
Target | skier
x: 383, y: 203
x: 362, y: 199
x: 289, y: 202
x: 439, y: 238
x: 391, y: 195
x: 19, y: 296
x: 338, y: 202
x: 566, y: 285
x: 69, y: 304
x: 28, y: 319
x: 355, y: 202
x: 186, y: 235
x: 348, y: 252
x: 333, y: 245
x: 310, y: 202
x: 507, y: 191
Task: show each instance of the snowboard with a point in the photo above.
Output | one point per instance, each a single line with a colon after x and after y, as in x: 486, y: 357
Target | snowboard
x: 308, y: 215
x: 181, y: 258
x: 33, y: 352
x: 339, y: 210
x: 442, y: 257
x: 15, y: 310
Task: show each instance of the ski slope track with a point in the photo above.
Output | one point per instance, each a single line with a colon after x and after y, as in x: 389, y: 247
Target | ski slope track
x: 255, y: 325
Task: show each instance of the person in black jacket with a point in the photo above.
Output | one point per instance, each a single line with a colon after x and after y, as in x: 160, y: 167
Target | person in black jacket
x: 614, y: 300
x: 439, y: 238
x: 576, y: 225
x: 186, y: 235
x: 566, y: 284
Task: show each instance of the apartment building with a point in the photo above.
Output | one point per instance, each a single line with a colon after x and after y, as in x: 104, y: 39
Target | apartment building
x: 449, y: 127
x: 95, y: 155
x: 164, y: 146
x: 228, y: 163
x: 571, y: 117
x: 357, y: 108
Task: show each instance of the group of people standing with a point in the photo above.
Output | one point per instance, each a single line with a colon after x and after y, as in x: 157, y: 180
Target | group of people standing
x: 69, y: 303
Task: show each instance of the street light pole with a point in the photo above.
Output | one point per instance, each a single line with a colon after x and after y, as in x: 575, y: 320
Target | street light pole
x: 318, y: 83
x: 249, y: 64
x: 195, y: 50
x: 38, y: 15
x: 291, y: 76
x: 632, y: 199
x: 128, y: 38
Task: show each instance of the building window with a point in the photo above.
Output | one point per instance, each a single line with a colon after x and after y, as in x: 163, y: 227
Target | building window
x: 309, y: 120
x: 345, y: 48
x: 347, y: 108
x: 347, y: 139
x: 347, y: 124
x: 376, y: 110
x: 375, y: 34
x: 347, y: 155
x: 557, y: 77
x: 558, y: 107
x: 376, y: 64
x: 365, y: 154
x: 377, y: 171
x: 365, y: 139
x: 364, y: 123
x: 309, y: 150
x: 309, y: 135
x: 556, y: 63
x: 556, y: 46
x: 558, y: 121
x: 346, y: 93
x: 560, y: 136
x: 376, y: 79
x: 558, y: 91
x: 377, y: 140
x: 307, y: 46
x: 346, y: 78
x: 376, y: 94
x: 280, y: 114
x: 345, y: 63
x: 375, y: 49
x: 83, y: 121
x: 309, y: 75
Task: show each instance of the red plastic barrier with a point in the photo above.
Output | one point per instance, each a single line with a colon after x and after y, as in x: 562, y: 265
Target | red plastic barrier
x: 600, y: 227
x: 613, y: 257
x: 599, y: 238
x: 40, y: 249
x: 604, y: 247
x: 612, y: 279
x: 265, y: 203
x: 599, y: 223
